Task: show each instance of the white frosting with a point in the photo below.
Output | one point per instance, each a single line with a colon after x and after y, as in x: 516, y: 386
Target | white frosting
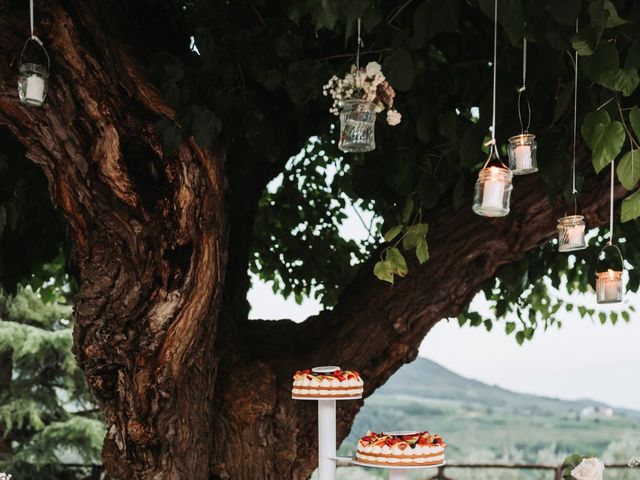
x: 314, y: 382
x: 391, y: 460
x: 321, y: 391
x: 305, y: 382
x: 325, y: 383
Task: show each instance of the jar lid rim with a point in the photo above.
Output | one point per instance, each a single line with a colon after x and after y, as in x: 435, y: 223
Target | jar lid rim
x: 528, y: 136
x: 35, y: 67
x: 571, y: 217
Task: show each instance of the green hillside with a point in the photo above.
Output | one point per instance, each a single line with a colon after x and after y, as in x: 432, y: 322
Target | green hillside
x: 483, y: 423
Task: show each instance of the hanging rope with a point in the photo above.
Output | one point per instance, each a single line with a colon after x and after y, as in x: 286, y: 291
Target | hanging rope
x: 31, y: 16
x: 34, y: 38
x: 358, y: 52
x: 574, y: 191
x: 613, y: 168
x: 523, y: 88
x: 492, y: 142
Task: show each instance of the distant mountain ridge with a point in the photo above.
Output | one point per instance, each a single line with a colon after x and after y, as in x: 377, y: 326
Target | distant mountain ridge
x: 424, y: 378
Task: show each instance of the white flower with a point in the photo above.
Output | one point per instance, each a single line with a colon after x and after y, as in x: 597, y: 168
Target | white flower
x: 393, y: 118
x: 373, y: 68
x: 5, y: 476
x: 589, y: 469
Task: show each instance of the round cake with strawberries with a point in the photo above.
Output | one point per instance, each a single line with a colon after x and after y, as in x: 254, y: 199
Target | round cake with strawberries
x: 401, y: 449
x: 327, y: 382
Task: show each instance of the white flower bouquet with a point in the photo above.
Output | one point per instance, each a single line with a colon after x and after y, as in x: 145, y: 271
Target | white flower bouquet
x: 5, y: 476
x: 368, y: 85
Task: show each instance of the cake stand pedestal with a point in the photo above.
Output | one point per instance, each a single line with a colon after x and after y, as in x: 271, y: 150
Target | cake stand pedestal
x: 397, y: 473
x: 327, y: 461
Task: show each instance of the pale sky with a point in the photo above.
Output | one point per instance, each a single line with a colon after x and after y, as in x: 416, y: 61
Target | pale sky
x: 583, y: 359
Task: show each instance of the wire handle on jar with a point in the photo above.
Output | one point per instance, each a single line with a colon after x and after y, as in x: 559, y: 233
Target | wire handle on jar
x: 609, y: 245
x: 34, y: 38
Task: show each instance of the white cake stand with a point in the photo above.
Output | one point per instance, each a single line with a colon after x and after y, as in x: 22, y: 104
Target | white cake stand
x: 327, y: 461
x: 397, y: 473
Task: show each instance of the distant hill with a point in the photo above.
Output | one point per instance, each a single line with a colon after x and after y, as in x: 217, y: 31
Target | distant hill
x: 481, y: 422
x: 426, y: 379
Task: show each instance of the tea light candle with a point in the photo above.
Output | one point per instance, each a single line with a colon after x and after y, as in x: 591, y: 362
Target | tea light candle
x: 576, y: 236
x: 35, y: 89
x: 523, y: 157
x: 493, y: 192
x: 609, y: 286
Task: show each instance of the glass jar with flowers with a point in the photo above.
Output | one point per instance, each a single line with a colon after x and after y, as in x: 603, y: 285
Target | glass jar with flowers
x: 357, y: 98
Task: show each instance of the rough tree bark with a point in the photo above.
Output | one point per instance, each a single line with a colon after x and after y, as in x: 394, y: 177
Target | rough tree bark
x: 189, y: 387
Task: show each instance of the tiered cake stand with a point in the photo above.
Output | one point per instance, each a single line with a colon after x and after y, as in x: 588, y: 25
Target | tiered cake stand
x: 326, y: 430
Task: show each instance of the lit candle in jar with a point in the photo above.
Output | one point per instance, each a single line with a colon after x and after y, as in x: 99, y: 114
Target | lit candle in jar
x: 493, y: 190
x: 576, y: 235
x: 35, y: 89
x: 523, y: 157
x: 609, y: 286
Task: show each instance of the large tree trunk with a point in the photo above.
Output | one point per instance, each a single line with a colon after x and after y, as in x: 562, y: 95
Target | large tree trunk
x: 189, y: 387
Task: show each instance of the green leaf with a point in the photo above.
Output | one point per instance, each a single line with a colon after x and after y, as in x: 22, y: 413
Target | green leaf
x: 400, y: 70
x: 414, y: 234
x: 630, y: 207
x: 629, y: 169
x: 604, y: 137
x: 422, y: 251
x: 614, y: 20
x: 565, y: 11
x: 407, y: 210
x: 520, y: 337
x: 488, y: 324
x: 432, y: 17
x: 392, y: 233
x: 562, y: 103
x: 206, y: 128
x: 586, y: 41
x: 509, y: 327
x: 395, y: 257
x: 170, y: 135
x: 634, y: 120
x: 384, y: 271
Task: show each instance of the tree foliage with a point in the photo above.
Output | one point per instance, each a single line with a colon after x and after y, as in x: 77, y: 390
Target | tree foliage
x: 231, y: 69
x: 47, y: 414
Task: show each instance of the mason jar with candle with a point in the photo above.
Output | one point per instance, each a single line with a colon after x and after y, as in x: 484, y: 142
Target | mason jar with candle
x: 609, y: 286
x: 609, y: 276
x: 493, y: 191
x: 522, y: 154
x: 357, y: 126
x: 32, y: 84
x: 571, y: 230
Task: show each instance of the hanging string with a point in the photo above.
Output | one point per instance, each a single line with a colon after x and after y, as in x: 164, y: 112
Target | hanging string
x: 523, y: 88
x: 31, y: 17
x: 492, y: 142
x: 575, y: 121
x: 358, y: 52
x: 613, y: 162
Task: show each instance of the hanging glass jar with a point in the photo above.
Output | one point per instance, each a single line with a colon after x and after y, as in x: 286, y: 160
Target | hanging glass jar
x: 357, y: 126
x: 609, y: 278
x: 493, y: 191
x: 33, y: 78
x: 571, y: 230
x: 523, y: 154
